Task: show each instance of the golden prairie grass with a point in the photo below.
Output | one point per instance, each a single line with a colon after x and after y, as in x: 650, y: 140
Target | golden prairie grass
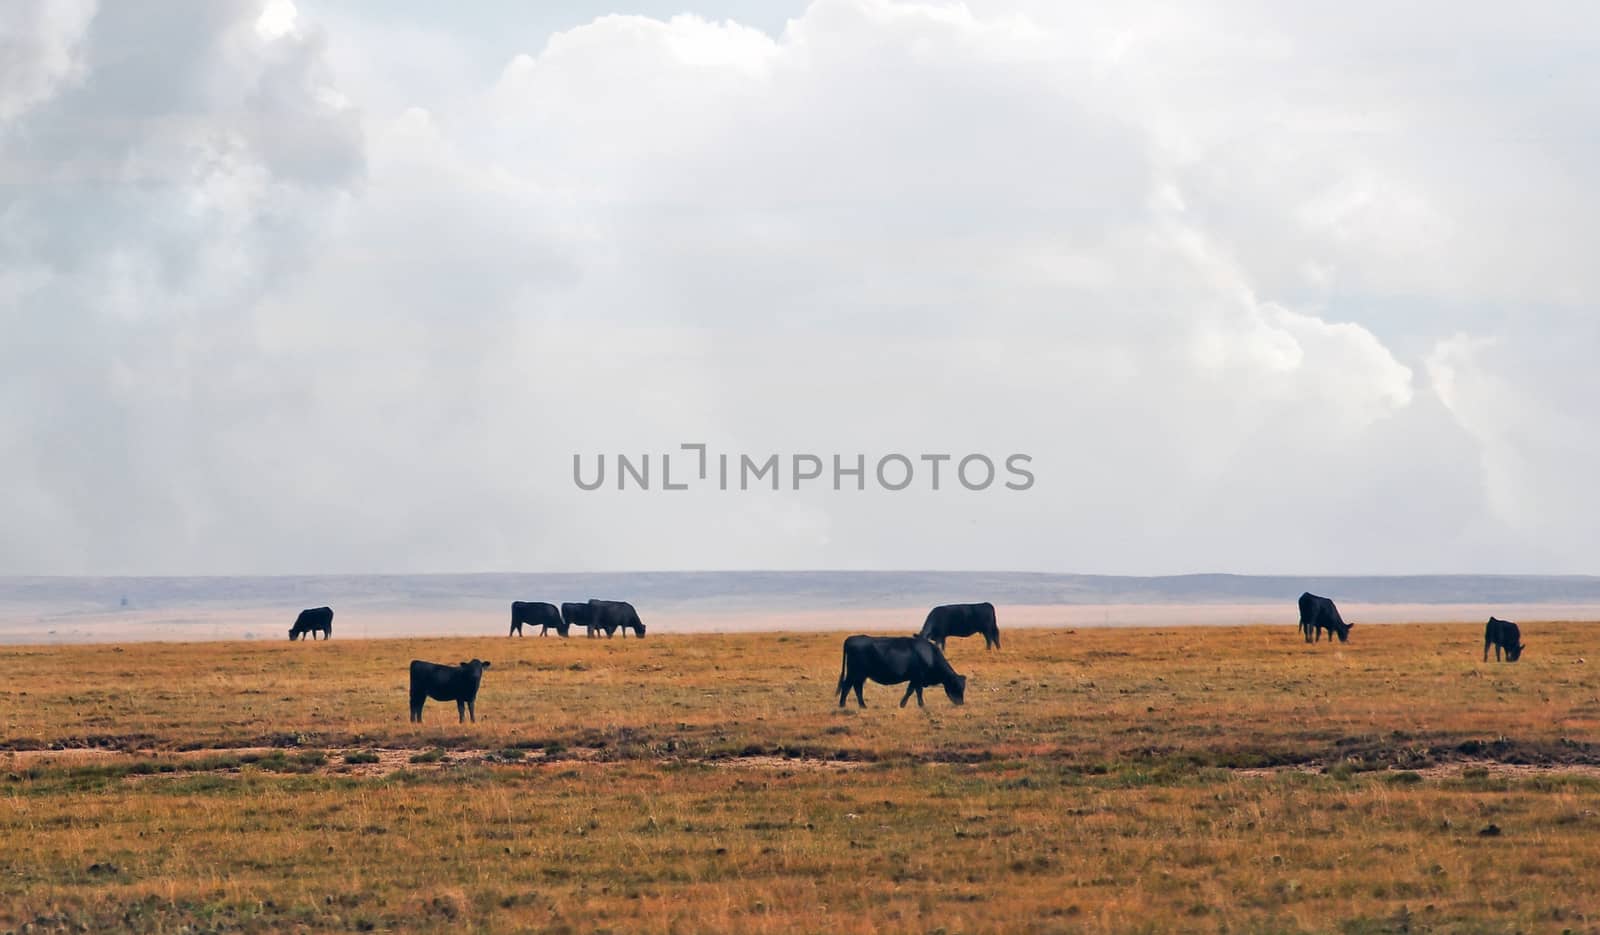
x: 1097, y: 780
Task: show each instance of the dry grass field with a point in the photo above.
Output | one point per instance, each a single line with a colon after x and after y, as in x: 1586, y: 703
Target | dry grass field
x: 1110, y: 780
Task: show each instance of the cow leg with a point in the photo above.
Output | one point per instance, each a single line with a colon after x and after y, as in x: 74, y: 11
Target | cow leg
x: 461, y: 711
x: 472, y: 710
x: 919, y: 697
x: 907, y: 696
x: 416, y: 709
x: 860, y: 700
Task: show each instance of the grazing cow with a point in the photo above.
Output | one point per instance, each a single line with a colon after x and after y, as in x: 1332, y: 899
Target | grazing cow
x: 536, y: 614
x: 313, y: 621
x: 611, y: 615
x: 1502, y: 634
x: 890, y: 660
x: 577, y: 615
x: 1318, y: 614
x: 446, y: 683
x: 949, y: 620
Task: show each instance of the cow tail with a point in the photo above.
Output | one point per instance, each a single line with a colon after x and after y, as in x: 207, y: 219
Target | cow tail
x: 844, y: 667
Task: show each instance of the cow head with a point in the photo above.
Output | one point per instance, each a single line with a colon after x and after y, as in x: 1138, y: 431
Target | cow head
x: 640, y: 630
x: 956, y: 689
x: 475, y: 667
x: 1515, y: 652
x: 1344, y: 633
x: 293, y: 635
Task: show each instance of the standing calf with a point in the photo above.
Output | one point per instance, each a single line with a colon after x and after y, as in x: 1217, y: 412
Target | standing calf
x: 446, y: 683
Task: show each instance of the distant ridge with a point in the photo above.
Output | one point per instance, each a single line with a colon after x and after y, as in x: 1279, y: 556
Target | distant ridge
x: 768, y: 590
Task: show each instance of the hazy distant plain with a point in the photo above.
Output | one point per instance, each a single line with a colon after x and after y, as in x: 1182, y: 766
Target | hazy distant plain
x: 44, y: 610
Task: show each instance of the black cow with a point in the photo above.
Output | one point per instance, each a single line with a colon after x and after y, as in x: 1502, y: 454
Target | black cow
x: 313, y: 621
x: 612, y: 615
x: 890, y: 660
x: 949, y: 620
x: 446, y: 683
x: 1502, y: 634
x: 1318, y: 614
x: 577, y: 615
x: 536, y: 614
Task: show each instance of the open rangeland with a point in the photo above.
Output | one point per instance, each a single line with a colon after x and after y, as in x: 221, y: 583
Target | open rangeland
x: 1097, y: 780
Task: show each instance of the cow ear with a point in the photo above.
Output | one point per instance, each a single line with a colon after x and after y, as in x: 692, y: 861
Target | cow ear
x: 465, y: 663
x: 486, y: 663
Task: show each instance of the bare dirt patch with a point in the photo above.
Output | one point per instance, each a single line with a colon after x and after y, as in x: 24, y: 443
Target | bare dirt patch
x: 1462, y: 769
x: 380, y: 761
x: 807, y: 764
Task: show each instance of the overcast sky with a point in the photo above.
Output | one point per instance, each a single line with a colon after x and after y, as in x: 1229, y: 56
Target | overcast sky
x: 343, y: 286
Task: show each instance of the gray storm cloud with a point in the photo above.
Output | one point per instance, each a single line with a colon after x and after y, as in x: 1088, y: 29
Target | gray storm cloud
x: 275, y: 303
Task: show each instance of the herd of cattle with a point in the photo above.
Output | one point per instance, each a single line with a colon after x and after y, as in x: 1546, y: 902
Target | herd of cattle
x: 917, y: 661
x: 1318, y: 614
x: 594, y: 616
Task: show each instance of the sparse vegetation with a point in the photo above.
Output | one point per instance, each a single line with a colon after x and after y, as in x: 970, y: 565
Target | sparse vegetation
x: 1104, y: 780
